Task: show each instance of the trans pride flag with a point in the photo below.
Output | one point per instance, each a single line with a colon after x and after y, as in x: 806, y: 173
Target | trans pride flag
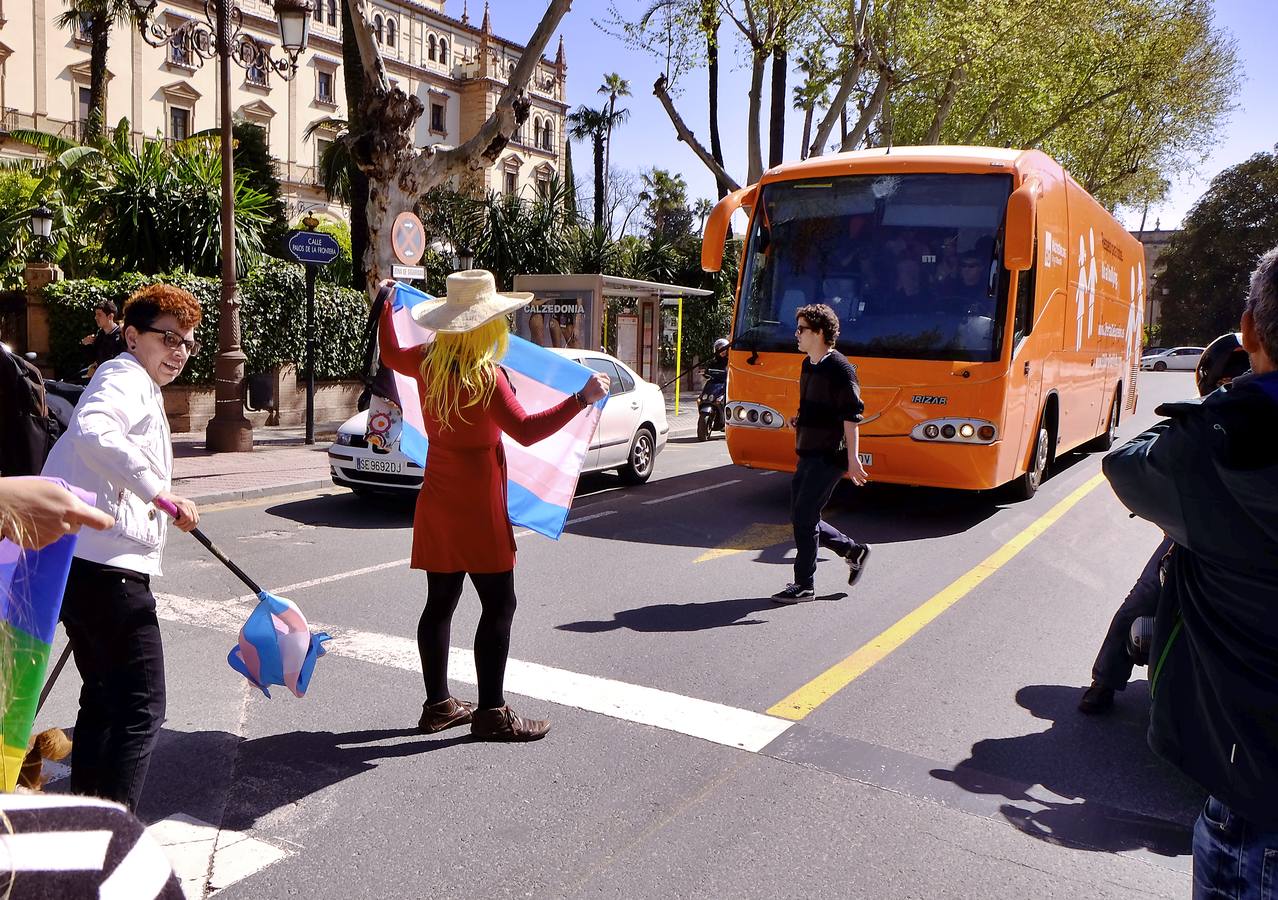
x: 543, y: 477
x: 31, y: 586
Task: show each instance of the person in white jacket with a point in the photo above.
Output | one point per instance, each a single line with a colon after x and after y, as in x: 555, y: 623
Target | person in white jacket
x: 118, y: 447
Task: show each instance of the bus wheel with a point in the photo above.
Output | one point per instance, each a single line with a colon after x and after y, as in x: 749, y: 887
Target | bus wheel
x: 1026, y: 486
x: 1107, y: 439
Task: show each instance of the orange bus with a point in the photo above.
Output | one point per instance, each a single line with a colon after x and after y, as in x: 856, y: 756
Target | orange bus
x: 992, y: 309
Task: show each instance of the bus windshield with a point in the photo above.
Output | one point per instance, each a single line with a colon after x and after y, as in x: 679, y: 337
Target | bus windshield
x: 911, y: 263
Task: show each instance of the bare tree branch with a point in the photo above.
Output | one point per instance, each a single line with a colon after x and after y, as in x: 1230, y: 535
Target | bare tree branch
x: 952, y: 85
x: 685, y: 134
x: 857, y: 134
x: 370, y: 56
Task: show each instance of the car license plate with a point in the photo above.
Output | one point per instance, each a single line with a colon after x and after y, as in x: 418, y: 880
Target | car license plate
x: 383, y: 466
x: 867, y: 459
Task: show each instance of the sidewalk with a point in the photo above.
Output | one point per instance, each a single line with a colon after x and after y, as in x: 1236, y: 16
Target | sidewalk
x: 281, y: 462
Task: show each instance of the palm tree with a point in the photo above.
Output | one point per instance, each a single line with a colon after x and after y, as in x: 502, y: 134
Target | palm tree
x: 614, y: 86
x: 333, y: 172
x: 586, y: 123
x: 702, y: 209
x: 96, y: 17
x: 667, y: 197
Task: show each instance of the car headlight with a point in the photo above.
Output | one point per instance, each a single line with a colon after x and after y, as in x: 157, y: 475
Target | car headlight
x: 344, y: 439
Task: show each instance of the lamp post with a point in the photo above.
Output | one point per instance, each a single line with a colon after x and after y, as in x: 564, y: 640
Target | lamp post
x: 221, y: 35
x: 465, y: 258
x: 42, y: 226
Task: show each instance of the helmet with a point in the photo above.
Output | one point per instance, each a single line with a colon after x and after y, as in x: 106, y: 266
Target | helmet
x: 1222, y: 362
x: 720, y: 345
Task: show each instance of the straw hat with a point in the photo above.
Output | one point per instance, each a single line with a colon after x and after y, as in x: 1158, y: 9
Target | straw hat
x: 472, y: 299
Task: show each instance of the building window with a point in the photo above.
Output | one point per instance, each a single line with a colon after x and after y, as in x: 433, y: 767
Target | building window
x: 432, y: 48
x: 324, y: 87
x: 332, y: 12
x: 548, y: 140
x: 322, y: 146
x: 437, y: 118
x: 379, y: 28
x: 84, y: 30
x: 543, y: 184
x: 180, y: 54
x: 256, y: 74
x: 518, y: 136
x: 512, y: 183
x: 179, y: 123
x: 443, y: 52
x: 83, y: 106
x: 319, y: 13
x: 390, y: 32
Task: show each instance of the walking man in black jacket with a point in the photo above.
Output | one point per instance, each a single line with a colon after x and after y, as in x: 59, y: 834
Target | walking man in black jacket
x: 1209, y: 478
x: 826, y: 439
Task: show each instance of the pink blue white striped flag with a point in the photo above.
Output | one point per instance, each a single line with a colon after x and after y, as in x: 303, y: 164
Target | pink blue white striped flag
x: 542, y: 477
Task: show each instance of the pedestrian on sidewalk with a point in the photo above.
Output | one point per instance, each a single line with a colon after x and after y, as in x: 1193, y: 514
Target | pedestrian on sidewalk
x: 826, y: 441
x: 1208, y: 476
x: 461, y: 525
x: 118, y: 447
x: 108, y: 341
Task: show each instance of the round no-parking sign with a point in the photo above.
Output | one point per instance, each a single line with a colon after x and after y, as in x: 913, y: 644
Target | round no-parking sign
x: 408, y: 238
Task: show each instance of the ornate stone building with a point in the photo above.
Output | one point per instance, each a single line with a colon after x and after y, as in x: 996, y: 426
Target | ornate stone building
x: 456, y: 68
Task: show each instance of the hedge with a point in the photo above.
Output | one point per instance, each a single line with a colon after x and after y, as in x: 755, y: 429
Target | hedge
x: 272, y: 320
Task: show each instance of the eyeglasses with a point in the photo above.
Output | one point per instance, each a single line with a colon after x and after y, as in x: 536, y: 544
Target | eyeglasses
x: 173, y: 340
x: 799, y: 329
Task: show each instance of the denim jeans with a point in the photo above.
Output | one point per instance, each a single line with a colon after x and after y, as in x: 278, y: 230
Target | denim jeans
x: 1233, y: 859
x: 1113, y: 666
x: 109, y: 615
x: 814, y: 482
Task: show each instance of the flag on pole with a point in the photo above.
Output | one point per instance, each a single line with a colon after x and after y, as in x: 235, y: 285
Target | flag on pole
x: 543, y: 477
x: 31, y: 587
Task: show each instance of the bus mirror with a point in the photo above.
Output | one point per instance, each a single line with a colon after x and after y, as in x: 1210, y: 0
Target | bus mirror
x: 1018, y: 244
x: 717, y: 226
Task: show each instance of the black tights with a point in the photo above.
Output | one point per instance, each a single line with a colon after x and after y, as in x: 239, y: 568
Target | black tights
x: 492, y: 637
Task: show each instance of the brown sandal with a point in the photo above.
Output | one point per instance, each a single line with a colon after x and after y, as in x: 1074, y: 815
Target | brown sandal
x: 501, y: 724
x: 444, y: 714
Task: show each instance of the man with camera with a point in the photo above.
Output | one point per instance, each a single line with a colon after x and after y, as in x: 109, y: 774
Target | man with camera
x: 1208, y: 476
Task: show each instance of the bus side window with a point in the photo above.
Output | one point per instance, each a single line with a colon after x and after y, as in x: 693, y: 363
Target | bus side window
x: 1025, y: 303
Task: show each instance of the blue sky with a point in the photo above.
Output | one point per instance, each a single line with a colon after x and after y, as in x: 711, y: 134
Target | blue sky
x: 648, y: 139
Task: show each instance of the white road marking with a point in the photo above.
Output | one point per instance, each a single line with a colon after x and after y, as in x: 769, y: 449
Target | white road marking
x: 200, y: 851
x: 715, y: 722
x: 700, y: 490
x: 598, y: 515
x: 395, y: 563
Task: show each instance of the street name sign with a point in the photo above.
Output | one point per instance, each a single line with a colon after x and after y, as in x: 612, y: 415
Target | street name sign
x: 407, y: 273
x: 313, y: 247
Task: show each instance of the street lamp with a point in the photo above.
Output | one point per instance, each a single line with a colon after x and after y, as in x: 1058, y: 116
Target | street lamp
x: 465, y: 258
x: 42, y: 228
x: 221, y: 35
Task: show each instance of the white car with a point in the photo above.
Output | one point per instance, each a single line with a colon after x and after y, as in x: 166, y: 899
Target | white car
x: 1174, y: 358
x: 632, y: 431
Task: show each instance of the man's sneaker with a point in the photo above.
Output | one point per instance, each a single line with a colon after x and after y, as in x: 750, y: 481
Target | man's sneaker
x: 856, y: 562
x: 793, y: 593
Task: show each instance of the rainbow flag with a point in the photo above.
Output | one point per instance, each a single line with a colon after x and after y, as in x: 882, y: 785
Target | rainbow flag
x: 543, y: 477
x: 31, y: 586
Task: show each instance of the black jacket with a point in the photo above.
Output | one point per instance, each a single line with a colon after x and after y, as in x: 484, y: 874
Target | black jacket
x: 1209, y: 478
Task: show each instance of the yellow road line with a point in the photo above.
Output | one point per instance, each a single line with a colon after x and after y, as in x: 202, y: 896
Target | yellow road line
x: 756, y: 537
x: 807, y: 698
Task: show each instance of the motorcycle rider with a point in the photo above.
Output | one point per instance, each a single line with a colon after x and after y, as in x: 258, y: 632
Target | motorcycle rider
x: 1222, y: 362
x: 714, y: 391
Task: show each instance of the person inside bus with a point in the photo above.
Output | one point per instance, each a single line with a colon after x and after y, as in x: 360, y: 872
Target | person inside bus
x: 908, y: 295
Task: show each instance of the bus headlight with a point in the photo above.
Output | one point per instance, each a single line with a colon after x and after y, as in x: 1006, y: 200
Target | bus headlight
x: 956, y: 430
x: 754, y: 415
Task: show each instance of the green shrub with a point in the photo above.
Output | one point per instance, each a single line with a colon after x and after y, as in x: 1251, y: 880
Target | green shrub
x: 272, y: 320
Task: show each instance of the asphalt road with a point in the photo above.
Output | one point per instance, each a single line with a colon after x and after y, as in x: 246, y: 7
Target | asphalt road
x: 691, y: 754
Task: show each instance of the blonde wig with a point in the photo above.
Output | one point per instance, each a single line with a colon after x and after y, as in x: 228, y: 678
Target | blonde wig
x: 460, y: 370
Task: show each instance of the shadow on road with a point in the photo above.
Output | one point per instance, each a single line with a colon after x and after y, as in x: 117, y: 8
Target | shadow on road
x: 668, y: 617
x: 270, y: 772
x: 1111, y: 792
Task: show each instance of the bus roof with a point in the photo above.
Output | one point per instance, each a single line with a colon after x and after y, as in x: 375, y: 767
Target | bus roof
x: 917, y: 155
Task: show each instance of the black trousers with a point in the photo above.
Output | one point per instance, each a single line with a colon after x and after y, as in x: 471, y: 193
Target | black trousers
x: 109, y: 615
x: 1113, y: 666
x: 814, y: 482
x: 492, y: 635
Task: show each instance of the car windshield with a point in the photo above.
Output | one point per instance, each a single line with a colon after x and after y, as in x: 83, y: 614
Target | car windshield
x: 909, y: 263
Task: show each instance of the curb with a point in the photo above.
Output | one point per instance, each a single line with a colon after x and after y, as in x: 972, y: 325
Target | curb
x: 273, y: 490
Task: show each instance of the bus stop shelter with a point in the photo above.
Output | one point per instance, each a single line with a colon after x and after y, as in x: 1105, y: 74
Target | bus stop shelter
x: 571, y: 311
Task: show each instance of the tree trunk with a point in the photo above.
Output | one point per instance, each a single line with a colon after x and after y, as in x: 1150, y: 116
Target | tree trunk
x: 607, y: 163
x: 710, y: 23
x: 776, y: 120
x: 843, y: 127
x: 807, y: 131
x: 100, y: 38
x: 353, y: 81
x: 857, y: 134
x: 754, y: 149
x: 570, y: 183
x: 946, y: 103
x: 599, y: 179
x: 838, y: 108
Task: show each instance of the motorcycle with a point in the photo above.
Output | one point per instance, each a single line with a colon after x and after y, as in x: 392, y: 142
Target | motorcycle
x: 710, y: 403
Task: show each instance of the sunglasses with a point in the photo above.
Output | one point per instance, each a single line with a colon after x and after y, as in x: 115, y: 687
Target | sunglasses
x: 799, y: 329
x: 173, y: 340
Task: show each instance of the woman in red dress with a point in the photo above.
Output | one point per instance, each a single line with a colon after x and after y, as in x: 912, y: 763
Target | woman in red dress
x: 461, y: 526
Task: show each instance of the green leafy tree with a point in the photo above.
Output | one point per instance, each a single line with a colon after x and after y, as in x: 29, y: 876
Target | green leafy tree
x: 97, y: 18
x: 253, y: 158
x: 593, y: 125
x: 666, y: 212
x: 1209, y: 261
